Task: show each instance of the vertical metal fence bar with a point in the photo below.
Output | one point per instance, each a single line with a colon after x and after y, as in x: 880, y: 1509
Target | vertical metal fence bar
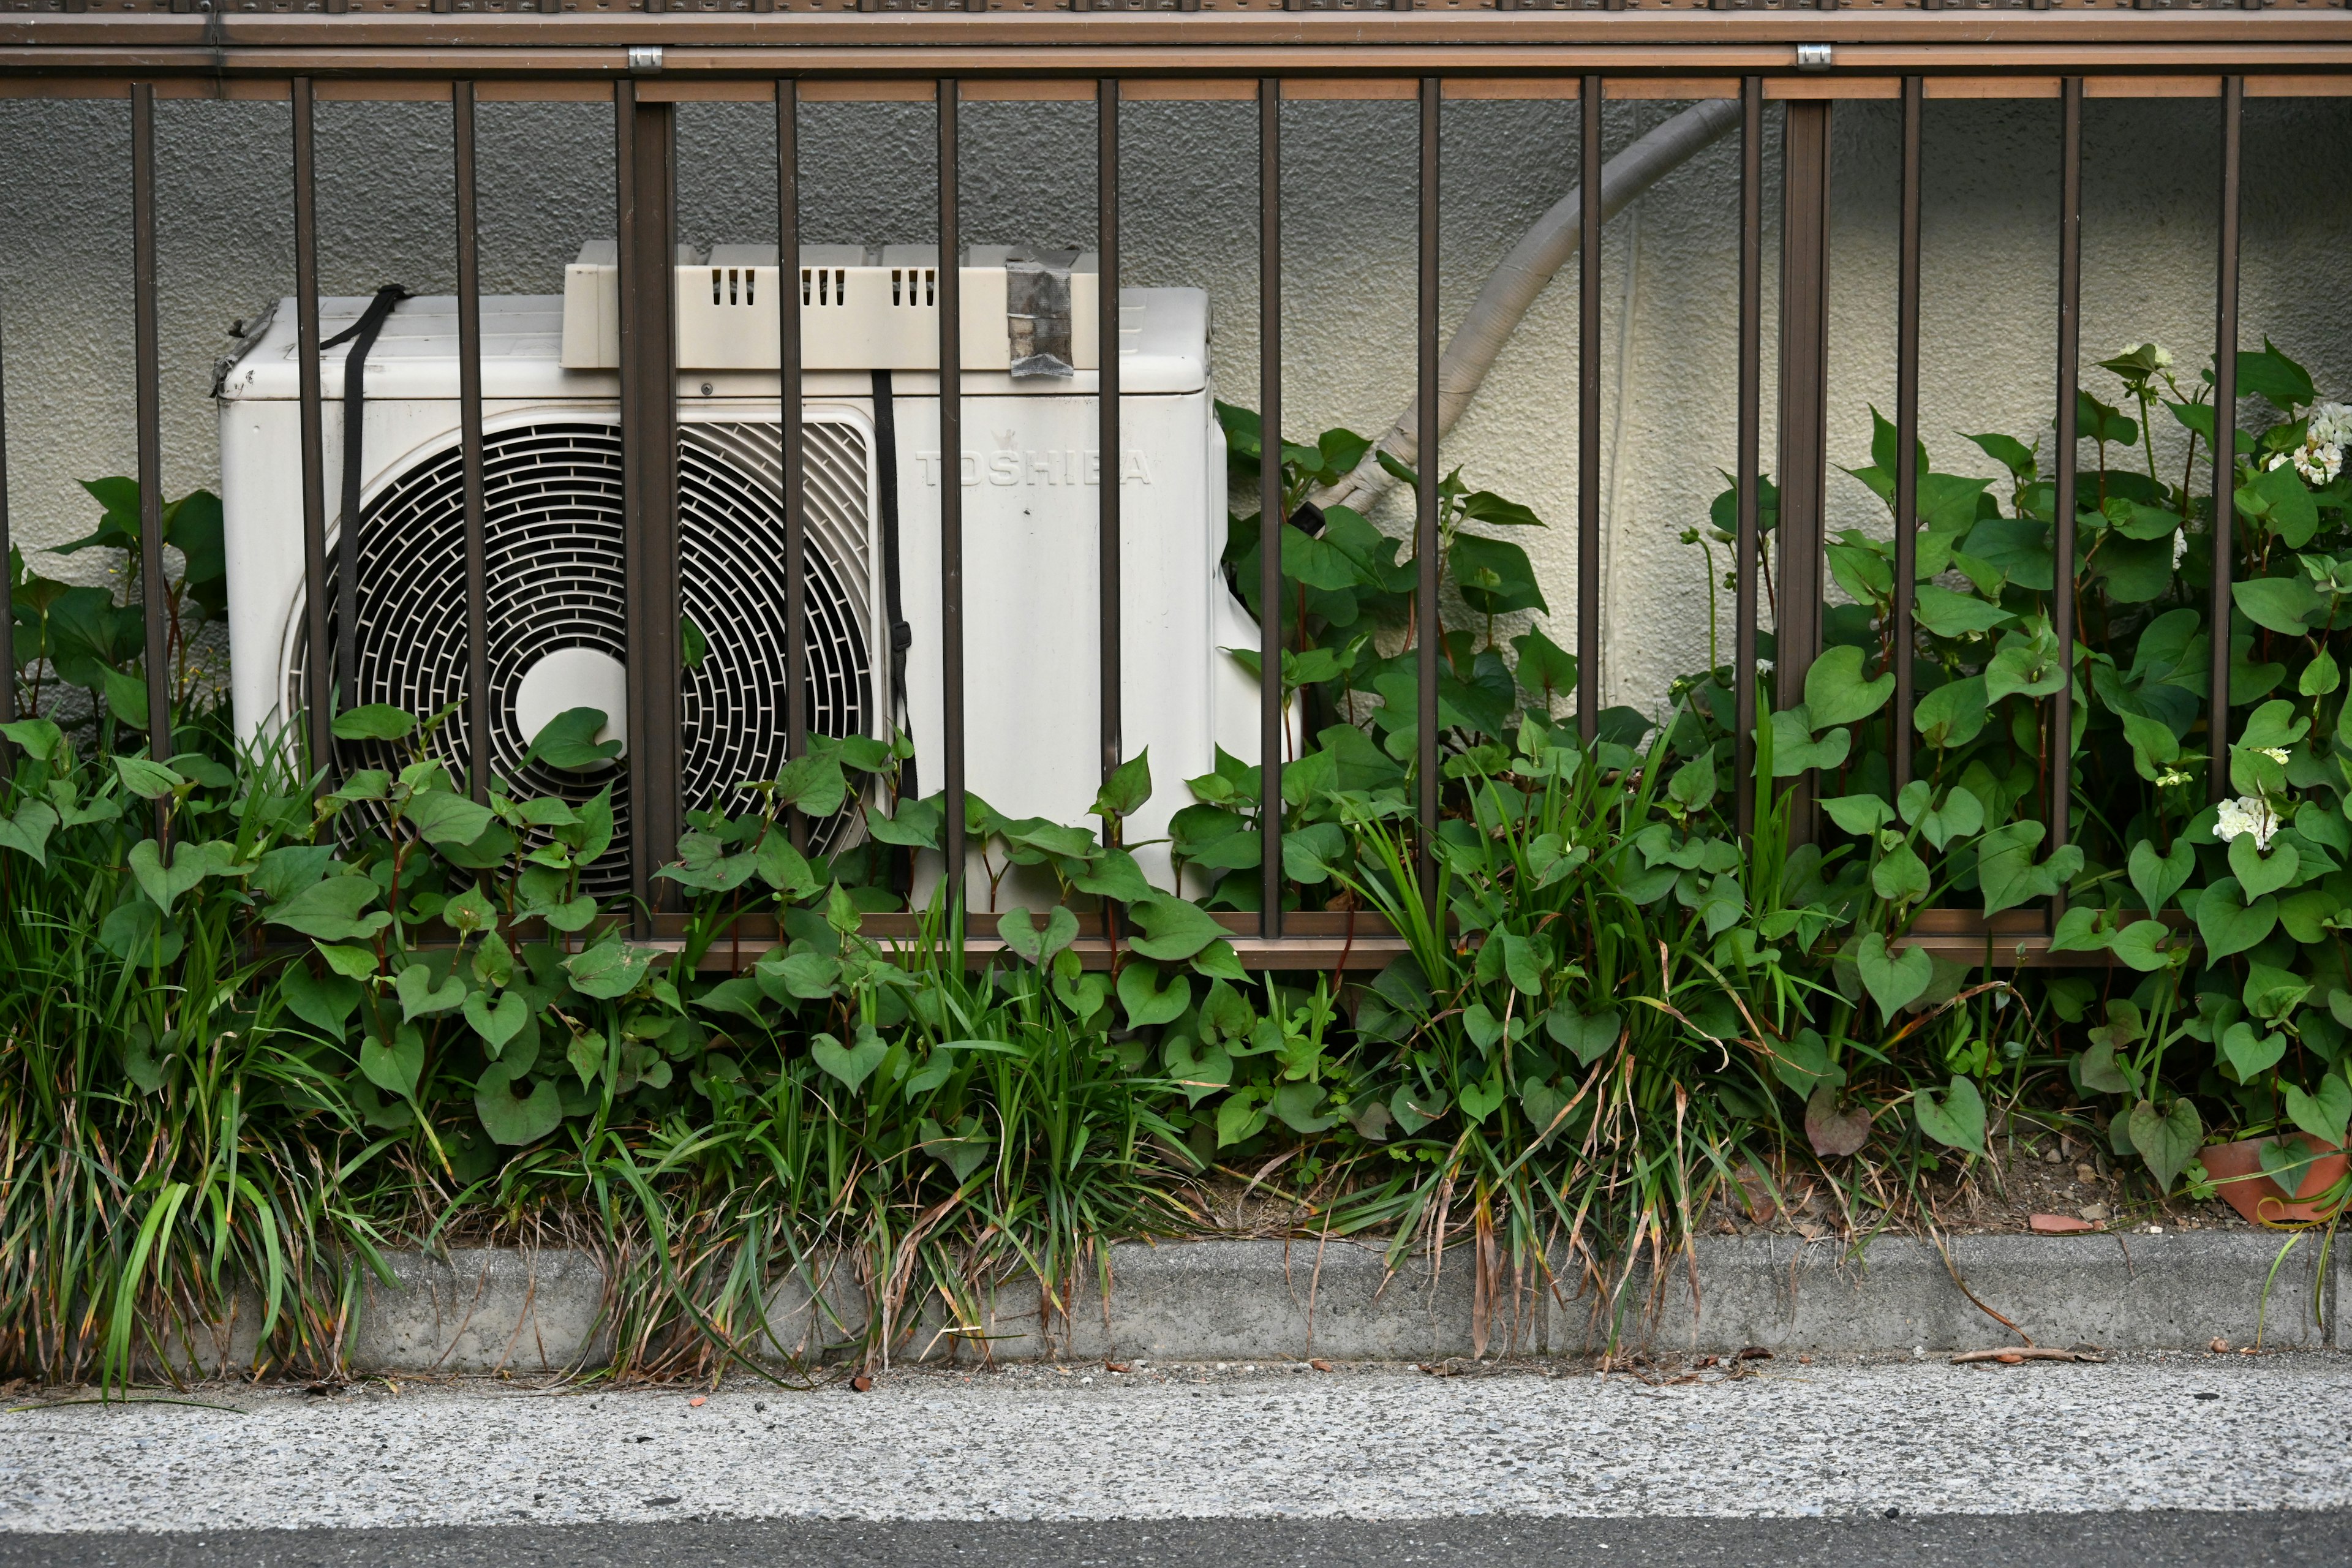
x: 648, y: 277
x: 469, y: 424
x: 1108, y: 441
x: 1431, y: 628
x: 951, y: 487
x: 794, y: 497
x: 1272, y: 512
x: 7, y: 619
x: 1805, y: 416
x: 318, y: 699
x: 2225, y: 440
x: 150, y: 371
x: 1907, y: 427
x: 1751, y: 400
x: 2060, y: 743
x: 1587, y: 415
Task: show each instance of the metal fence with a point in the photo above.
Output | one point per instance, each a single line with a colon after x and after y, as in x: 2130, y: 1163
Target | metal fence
x: 646, y: 65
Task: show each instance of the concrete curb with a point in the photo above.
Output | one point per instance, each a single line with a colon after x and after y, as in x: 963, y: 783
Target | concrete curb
x: 480, y: 1310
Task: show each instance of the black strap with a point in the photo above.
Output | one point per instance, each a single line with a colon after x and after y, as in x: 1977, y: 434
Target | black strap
x: 902, y: 635
x: 361, y: 335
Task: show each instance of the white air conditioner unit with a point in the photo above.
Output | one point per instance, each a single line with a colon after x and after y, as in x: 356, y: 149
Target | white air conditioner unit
x: 557, y: 590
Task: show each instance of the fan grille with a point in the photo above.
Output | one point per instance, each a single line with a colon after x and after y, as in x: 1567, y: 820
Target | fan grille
x: 554, y: 535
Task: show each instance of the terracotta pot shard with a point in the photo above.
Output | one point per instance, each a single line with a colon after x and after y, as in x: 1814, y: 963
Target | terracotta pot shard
x: 2236, y: 1170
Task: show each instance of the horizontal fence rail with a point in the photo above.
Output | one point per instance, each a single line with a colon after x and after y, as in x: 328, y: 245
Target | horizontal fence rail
x: 466, y: 55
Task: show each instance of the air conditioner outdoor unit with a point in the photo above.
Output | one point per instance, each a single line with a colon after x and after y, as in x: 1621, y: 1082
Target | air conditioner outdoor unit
x: 557, y: 590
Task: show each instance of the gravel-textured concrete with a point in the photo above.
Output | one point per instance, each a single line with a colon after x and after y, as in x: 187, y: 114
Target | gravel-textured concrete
x: 1362, y: 1442
x: 490, y: 1310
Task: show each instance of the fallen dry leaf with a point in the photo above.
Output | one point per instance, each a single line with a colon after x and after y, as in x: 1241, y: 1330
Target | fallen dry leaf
x: 1755, y: 1353
x: 1320, y: 1365
x: 1116, y: 1366
x: 861, y: 1383
x: 695, y: 1401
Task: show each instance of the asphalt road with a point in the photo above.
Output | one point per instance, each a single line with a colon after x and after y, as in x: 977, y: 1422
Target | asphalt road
x: 2142, y: 1539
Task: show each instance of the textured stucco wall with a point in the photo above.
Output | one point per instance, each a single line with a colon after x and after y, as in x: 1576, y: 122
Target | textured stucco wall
x: 1669, y: 315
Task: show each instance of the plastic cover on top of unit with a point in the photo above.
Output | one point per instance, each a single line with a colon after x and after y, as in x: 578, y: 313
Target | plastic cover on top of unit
x: 862, y: 306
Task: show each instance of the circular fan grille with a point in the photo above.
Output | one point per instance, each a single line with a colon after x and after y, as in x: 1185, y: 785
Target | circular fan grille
x: 556, y: 580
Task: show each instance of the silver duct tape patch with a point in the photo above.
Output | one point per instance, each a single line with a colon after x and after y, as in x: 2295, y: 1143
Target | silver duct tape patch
x: 1037, y: 313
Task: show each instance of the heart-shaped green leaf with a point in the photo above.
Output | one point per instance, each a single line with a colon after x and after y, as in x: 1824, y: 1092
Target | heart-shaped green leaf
x: 852, y: 1064
x: 1584, y: 1035
x: 191, y: 863
x: 1299, y: 1106
x: 2259, y: 873
x: 1836, y: 692
x: 2166, y: 1141
x: 801, y: 976
x: 1543, y: 1103
x: 1198, y: 1075
x: 330, y: 911
x: 1802, y: 1062
x: 470, y: 911
x: 2287, y: 1161
x: 1174, y: 929
x: 1483, y: 1029
x: 964, y: 1151
x: 1241, y: 1116
x: 2325, y: 1112
x: 1478, y: 1100
x: 2097, y: 1069
x: 2229, y: 923
x: 1861, y: 814
x: 1794, y: 749
x: 325, y: 1002
x: 394, y: 1067
x: 497, y: 1024
x: 1146, y: 1000
x: 2141, y: 944
x: 1129, y: 787
x: 1895, y: 980
x: 1958, y: 1120
x: 373, y: 722
x: 1415, y: 1109
x: 357, y: 963
x: 1038, y: 947
x: 421, y: 998
x: 511, y: 1122
x: 2155, y: 878
x: 610, y: 968
x: 1900, y: 876
x: 2250, y: 1053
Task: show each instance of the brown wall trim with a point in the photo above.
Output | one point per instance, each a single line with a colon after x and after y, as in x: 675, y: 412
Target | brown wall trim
x: 2072, y: 28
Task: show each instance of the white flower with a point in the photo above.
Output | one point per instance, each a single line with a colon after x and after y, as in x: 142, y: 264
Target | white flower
x: 2247, y: 813
x: 2330, y: 423
x: 2318, y: 464
x: 2157, y: 352
x: 2275, y: 753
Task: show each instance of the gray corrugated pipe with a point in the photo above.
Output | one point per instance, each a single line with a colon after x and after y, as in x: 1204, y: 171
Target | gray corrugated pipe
x: 1512, y: 289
